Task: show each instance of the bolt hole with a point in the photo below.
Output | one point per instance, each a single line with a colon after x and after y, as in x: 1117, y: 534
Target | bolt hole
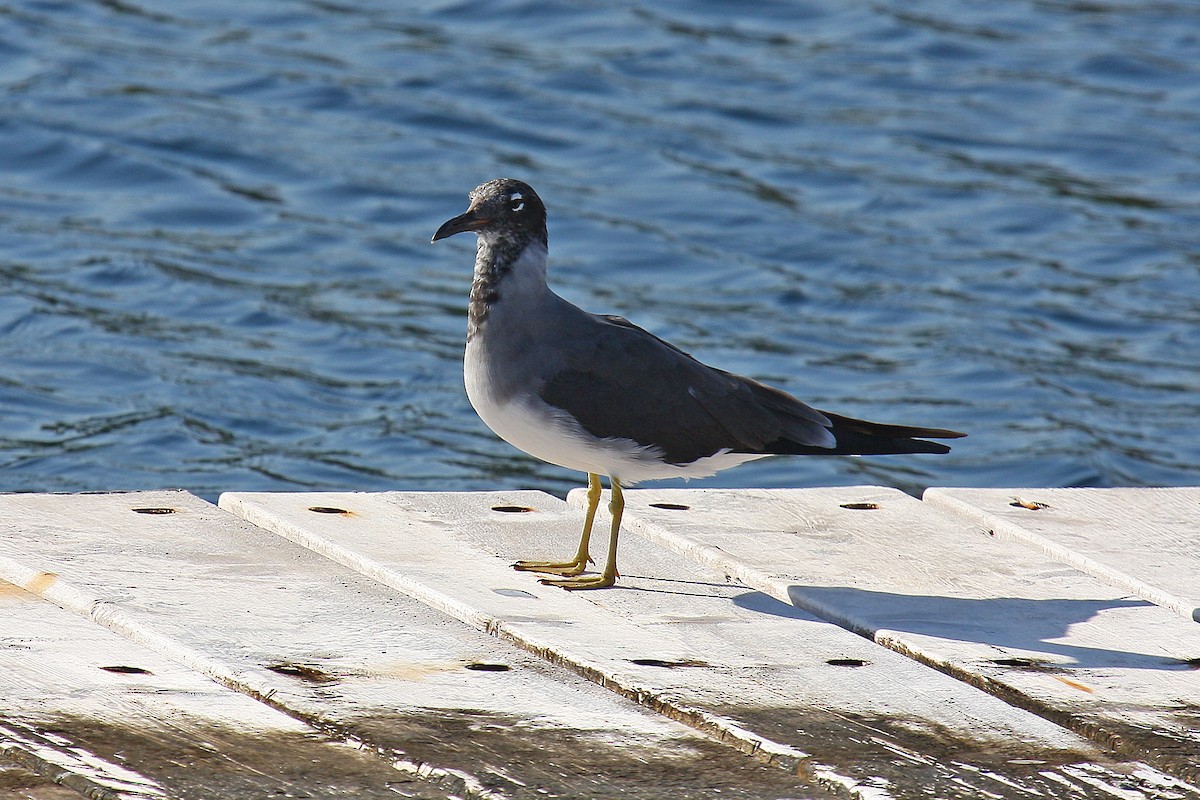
x: 671, y: 506
x: 483, y: 666
x: 122, y: 669
x: 658, y: 662
x: 328, y: 510
x: 847, y: 662
x: 512, y: 509
x: 1014, y: 662
x: 861, y: 506
x: 302, y: 671
x: 153, y: 510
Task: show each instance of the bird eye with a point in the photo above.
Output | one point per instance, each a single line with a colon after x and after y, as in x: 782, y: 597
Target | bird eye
x: 518, y: 201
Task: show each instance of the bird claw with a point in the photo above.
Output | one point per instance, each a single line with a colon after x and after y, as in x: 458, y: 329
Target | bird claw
x: 578, y: 584
x: 565, y: 568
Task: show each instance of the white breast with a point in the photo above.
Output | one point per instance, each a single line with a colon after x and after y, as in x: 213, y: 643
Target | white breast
x: 548, y: 433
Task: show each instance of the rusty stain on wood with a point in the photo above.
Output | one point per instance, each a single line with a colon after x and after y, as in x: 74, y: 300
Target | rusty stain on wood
x: 1074, y: 684
x: 41, y: 582
x: 1028, y: 505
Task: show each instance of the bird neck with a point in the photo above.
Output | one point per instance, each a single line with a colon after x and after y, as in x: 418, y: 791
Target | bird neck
x: 512, y: 269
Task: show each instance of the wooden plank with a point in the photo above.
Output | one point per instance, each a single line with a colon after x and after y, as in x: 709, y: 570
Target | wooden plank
x: 993, y: 613
x: 19, y: 783
x: 677, y: 637
x: 87, y: 709
x: 469, y: 715
x: 1143, y: 540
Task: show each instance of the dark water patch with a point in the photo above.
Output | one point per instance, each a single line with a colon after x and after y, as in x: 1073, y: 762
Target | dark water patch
x: 578, y: 764
x: 193, y: 758
x: 918, y: 758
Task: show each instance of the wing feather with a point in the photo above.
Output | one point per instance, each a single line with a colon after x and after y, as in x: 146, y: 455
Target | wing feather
x: 636, y: 386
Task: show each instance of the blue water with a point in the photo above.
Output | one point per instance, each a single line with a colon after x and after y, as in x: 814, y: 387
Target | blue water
x: 215, y: 269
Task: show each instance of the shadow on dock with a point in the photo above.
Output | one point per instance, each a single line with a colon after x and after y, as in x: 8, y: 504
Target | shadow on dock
x: 1008, y: 623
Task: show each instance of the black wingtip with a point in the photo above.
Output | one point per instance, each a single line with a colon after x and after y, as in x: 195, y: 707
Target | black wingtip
x: 917, y: 446
x: 939, y: 433
x: 859, y: 437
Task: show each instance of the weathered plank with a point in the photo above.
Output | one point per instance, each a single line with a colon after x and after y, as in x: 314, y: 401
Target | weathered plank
x: 470, y: 715
x: 19, y: 783
x: 92, y: 711
x: 996, y: 614
x: 1144, y: 540
x: 678, y: 637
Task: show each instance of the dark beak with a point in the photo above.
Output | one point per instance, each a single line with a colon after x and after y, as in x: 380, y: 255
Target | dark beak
x: 470, y: 221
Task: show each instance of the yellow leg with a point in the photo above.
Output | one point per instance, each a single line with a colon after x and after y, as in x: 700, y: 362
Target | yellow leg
x: 609, y: 576
x: 580, y: 562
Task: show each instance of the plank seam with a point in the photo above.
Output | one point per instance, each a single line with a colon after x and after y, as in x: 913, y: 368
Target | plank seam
x: 720, y: 728
x: 1107, y: 736
x: 49, y: 587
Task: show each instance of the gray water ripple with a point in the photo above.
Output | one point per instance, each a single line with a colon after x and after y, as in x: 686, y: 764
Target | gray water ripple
x: 214, y: 225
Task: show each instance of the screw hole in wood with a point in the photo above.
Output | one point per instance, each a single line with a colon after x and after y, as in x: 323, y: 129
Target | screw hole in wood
x: 1021, y: 663
x: 302, y: 671
x: 847, y: 662
x: 122, y: 669
x: 658, y: 662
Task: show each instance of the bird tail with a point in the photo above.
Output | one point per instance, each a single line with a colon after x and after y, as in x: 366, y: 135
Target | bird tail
x: 858, y: 437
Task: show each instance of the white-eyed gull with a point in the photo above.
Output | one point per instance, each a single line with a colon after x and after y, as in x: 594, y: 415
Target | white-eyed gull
x: 598, y: 394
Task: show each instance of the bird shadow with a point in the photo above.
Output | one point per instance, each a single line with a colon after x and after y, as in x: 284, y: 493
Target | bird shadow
x: 1007, y: 623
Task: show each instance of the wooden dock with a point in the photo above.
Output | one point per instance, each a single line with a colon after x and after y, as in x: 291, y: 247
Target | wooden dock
x: 813, y: 643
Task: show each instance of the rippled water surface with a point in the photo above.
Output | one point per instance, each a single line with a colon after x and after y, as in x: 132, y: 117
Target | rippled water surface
x: 215, y: 221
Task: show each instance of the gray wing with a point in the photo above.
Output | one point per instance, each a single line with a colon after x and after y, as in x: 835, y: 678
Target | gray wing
x: 633, y: 385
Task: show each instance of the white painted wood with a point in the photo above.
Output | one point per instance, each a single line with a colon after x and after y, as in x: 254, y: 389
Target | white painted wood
x: 993, y: 612
x: 677, y: 636
x: 1144, y: 540
x: 99, y: 714
x: 352, y: 657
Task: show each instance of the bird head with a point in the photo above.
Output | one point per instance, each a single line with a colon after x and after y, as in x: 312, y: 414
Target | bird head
x: 501, y: 209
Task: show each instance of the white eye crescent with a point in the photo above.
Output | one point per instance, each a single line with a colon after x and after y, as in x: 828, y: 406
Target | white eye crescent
x: 518, y: 201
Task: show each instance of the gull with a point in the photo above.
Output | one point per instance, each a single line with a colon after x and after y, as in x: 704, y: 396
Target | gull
x: 597, y: 394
